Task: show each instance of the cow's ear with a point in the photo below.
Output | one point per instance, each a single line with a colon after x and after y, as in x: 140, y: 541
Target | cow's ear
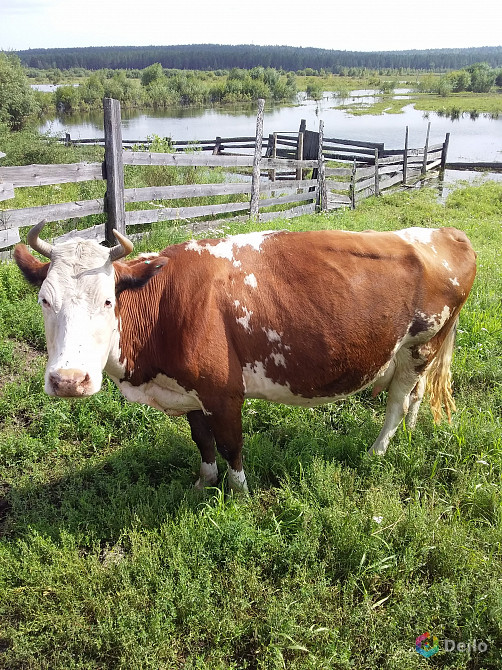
x: 135, y: 276
x: 33, y: 270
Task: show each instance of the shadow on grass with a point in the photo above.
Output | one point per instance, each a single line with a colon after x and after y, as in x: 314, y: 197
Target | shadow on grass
x: 134, y: 486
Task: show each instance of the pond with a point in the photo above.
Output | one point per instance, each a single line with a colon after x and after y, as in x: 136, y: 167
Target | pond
x: 471, y: 140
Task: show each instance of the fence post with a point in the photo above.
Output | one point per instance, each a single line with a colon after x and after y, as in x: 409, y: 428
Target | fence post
x: 322, y: 195
x: 217, y: 145
x: 377, y: 174
x: 353, y: 187
x: 444, y: 153
x: 405, y: 157
x: 114, y: 170
x: 426, y: 149
x: 299, y: 155
x: 272, y: 153
x: 255, y: 182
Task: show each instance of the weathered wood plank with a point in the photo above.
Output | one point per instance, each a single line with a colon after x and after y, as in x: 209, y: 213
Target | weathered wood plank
x: 362, y: 173
x: 185, y: 159
x: 296, y: 197
x: 114, y: 199
x: 338, y: 185
x: 387, y: 183
x: 171, y: 213
x: 364, y: 184
x: 288, y: 214
x: 322, y: 193
x: 44, y: 175
x: 195, y: 159
x: 355, y: 143
x: 255, y: 180
x: 184, y: 191
x: 11, y: 218
x: 93, y: 233
x: 285, y: 183
x: 340, y: 171
x: 338, y: 199
x: 6, y: 190
x: 9, y: 237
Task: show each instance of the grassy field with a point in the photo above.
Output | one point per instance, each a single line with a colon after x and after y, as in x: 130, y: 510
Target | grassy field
x: 110, y: 559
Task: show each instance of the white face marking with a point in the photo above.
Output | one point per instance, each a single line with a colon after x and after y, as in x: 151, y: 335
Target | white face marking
x: 78, y: 300
x: 164, y: 394
x: 250, y: 280
x: 412, y: 235
x: 454, y: 281
x: 446, y: 265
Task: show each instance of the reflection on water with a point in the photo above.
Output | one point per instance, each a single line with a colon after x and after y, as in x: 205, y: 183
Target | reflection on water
x: 473, y: 137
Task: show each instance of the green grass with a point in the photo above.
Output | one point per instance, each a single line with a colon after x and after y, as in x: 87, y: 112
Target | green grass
x: 110, y: 559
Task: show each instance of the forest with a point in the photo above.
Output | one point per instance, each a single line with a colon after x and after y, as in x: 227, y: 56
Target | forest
x: 219, y: 56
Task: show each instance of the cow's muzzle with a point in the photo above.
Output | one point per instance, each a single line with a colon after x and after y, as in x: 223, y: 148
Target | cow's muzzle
x: 70, y: 383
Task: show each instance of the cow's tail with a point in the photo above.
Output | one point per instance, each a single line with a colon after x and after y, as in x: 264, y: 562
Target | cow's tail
x: 439, y: 385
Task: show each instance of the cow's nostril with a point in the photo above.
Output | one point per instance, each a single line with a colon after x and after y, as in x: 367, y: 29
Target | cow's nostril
x: 69, y: 382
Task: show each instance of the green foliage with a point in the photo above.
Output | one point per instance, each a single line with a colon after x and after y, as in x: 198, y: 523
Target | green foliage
x: 16, y: 97
x: 109, y: 559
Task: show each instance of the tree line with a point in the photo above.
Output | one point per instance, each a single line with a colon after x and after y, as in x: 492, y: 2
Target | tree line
x: 219, y: 56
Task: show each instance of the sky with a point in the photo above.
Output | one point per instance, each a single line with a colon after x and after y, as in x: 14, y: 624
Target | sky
x: 351, y: 25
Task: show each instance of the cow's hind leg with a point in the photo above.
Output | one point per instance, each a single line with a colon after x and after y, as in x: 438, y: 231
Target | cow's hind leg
x: 203, y: 437
x: 406, y: 378
x: 415, y: 399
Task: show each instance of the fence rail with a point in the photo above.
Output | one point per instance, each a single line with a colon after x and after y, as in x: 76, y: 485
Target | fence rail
x: 298, y: 172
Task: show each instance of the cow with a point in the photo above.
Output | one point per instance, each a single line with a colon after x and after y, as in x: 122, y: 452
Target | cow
x: 301, y: 318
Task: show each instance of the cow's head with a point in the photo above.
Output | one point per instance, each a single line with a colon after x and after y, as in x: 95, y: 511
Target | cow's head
x: 78, y: 293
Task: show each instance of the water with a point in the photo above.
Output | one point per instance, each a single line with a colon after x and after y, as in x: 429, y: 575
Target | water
x: 471, y: 140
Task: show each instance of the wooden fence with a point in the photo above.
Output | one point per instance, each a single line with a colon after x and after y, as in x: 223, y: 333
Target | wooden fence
x: 288, y: 174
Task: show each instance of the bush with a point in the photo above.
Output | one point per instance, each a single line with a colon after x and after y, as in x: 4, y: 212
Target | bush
x: 17, y: 101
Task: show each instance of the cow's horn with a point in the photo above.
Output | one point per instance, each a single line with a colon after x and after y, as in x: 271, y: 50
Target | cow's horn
x: 36, y: 243
x: 122, y: 249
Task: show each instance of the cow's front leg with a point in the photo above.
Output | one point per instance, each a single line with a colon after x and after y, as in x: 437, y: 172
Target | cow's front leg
x: 203, y: 437
x: 226, y: 423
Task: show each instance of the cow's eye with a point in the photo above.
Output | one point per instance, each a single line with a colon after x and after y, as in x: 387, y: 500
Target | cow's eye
x: 45, y: 302
x: 108, y: 303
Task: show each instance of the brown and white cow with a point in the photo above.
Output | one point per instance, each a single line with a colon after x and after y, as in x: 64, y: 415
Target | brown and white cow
x: 301, y: 318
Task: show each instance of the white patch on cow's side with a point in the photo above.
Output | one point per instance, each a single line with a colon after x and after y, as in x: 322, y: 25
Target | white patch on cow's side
x: 250, y: 280
x: 225, y: 247
x: 278, y: 359
x: 163, y: 393
x: 272, y: 335
x: 237, y: 480
x: 413, y: 235
x: 442, y: 318
x: 208, y: 475
x: 258, y: 385
x: 454, y: 281
x: 244, y: 320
